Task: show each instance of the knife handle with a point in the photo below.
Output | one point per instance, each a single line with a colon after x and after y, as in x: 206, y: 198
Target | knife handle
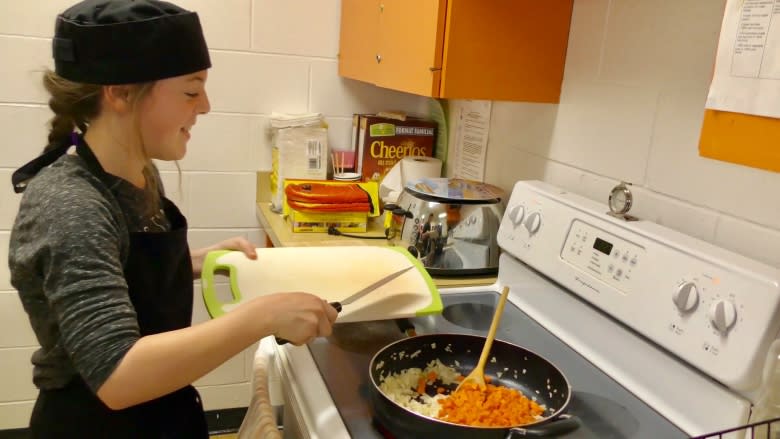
x: 335, y: 305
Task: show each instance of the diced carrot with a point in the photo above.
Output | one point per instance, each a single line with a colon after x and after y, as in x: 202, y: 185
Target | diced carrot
x: 431, y: 376
x: 496, y: 406
x: 421, y: 385
x: 440, y: 390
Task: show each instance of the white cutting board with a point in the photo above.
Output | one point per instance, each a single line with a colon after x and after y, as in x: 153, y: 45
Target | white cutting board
x: 332, y: 273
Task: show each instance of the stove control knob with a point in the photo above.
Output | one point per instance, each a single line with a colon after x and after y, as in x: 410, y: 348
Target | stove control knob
x: 723, y: 315
x: 686, y: 297
x: 516, y: 215
x: 533, y: 222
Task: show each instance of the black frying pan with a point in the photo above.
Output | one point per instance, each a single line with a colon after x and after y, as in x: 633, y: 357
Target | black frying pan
x: 519, y: 369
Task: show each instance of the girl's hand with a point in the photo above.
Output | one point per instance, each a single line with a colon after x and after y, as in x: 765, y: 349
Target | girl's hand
x: 298, y: 317
x: 234, y: 243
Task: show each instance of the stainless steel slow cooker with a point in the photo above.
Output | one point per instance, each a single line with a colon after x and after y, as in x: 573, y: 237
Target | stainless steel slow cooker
x: 449, y: 224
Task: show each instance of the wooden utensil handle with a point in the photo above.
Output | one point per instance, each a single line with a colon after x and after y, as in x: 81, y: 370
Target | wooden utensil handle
x: 493, y: 327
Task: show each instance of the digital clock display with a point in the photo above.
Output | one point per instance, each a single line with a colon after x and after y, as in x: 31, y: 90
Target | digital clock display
x: 603, y: 246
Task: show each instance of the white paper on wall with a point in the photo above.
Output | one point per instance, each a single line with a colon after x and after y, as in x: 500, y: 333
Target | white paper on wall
x: 747, y: 68
x: 471, y: 138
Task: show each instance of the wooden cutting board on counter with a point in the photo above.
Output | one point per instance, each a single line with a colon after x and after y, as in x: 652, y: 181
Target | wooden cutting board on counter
x: 332, y: 273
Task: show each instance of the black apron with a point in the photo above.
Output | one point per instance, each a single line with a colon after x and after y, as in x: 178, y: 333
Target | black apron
x: 158, y: 271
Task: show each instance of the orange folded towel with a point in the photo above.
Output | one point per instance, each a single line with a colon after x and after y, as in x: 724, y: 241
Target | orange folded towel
x: 314, y: 197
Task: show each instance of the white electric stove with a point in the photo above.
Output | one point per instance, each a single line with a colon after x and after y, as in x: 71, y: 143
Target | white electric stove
x: 660, y: 335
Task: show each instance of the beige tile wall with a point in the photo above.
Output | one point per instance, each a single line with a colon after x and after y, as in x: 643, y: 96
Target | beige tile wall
x: 268, y: 55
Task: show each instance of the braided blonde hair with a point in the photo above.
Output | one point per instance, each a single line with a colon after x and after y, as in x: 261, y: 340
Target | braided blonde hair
x: 75, y: 104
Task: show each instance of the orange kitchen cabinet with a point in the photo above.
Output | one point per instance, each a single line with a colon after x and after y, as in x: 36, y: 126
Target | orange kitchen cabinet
x: 508, y: 50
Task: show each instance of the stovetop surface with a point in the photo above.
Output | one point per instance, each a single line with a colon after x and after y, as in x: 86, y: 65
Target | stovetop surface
x: 605, y: 408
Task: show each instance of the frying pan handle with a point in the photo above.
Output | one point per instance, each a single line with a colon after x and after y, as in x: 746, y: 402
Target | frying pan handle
x: 562, y: 424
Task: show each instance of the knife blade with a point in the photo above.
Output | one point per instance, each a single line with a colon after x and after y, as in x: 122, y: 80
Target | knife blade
x: 359, y: 294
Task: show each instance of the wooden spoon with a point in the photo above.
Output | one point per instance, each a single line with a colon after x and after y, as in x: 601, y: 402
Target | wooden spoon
x: 478, y: 374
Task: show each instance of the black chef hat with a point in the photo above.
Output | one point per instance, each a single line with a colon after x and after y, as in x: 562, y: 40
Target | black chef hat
x: 127, y: 41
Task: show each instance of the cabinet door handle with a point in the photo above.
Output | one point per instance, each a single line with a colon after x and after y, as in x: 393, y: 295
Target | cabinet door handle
x: 434, y: 69
x: 378, y: 58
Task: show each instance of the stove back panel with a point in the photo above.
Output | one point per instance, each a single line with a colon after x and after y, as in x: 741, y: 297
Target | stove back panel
x: 717, y: 310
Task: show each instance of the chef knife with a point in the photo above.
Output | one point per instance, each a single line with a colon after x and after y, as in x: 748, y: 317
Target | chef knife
x: 359, y: 294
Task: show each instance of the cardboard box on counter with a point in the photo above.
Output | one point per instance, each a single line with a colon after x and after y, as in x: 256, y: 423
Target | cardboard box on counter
x: 344, y: 221
x: 349, y: 222
x: 381, y: 142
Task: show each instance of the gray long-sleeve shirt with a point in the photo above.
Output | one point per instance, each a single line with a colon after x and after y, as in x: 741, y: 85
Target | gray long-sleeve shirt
x: 67, y: 249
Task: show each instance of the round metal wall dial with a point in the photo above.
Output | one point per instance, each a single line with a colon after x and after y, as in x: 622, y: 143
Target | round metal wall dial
x: 620, y: 199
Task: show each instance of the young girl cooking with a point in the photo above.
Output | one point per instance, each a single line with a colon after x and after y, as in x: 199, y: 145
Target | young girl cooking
x: 100, y: 256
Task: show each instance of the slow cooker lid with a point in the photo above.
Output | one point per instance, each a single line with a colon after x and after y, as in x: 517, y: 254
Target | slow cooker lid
x: 454, y: 190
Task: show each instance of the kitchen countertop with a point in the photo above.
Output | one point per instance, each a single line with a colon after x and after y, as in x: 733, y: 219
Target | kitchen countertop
x: 280, y: 234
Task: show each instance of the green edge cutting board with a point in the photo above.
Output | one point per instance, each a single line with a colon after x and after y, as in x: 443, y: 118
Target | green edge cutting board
x: 332, y: 273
